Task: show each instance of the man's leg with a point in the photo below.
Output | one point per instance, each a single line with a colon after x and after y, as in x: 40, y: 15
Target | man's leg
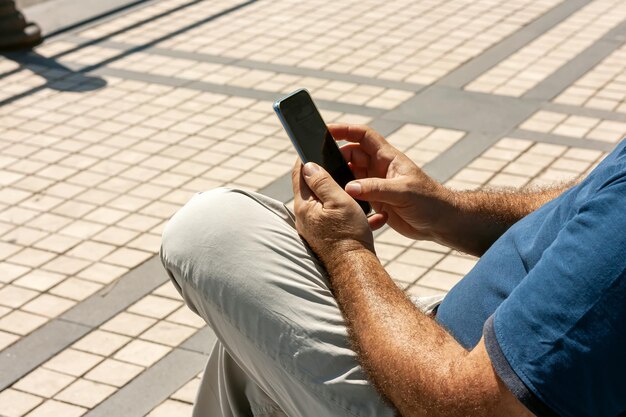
x: 239, y: 263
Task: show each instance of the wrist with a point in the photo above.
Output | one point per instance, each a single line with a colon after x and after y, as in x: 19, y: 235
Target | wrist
x: 446, y: 204
x: 336, y: 254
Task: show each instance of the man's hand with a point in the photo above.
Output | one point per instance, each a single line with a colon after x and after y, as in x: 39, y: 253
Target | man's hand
x: 419, y: 207
x: 330, y: 221
x: 414, y: 203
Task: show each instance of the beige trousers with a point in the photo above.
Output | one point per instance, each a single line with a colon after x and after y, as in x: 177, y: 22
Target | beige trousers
x: 282, y: 345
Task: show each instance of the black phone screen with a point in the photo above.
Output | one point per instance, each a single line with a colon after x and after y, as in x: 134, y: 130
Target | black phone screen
x: 313, y: 140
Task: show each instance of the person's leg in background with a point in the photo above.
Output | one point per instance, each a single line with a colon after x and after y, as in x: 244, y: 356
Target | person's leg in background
x: 239, y: 263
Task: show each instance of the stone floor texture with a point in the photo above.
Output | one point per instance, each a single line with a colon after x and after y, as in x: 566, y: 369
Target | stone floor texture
x: 108, y: 128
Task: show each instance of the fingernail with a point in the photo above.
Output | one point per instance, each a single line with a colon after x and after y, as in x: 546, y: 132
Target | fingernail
x: 310, y: 168
x: 353, y: 188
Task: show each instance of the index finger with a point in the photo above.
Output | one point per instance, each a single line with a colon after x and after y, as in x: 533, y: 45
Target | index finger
x: 370, y: 140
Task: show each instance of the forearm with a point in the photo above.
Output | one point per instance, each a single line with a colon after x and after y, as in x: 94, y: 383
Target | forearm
x: 408, y: 356
x: 420, y: 368
x: 474, y: 220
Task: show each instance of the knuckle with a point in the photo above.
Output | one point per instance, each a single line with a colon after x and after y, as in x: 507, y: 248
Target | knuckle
x: 298, y: 210
x: 319, y: 181
x: 371, y: 187
x: 294, y: 173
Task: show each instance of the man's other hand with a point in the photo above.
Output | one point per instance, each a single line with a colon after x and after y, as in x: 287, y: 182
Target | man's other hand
x: 414, y: 203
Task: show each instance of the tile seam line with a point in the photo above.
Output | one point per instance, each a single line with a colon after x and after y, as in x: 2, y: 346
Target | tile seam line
x: 115, y: 404
x: 65, y: 340
x: 497, y: 53
x: 129, y: 6
x: 117, y: 57
x: 576, y: 67
x: 325, y: 104
x: 95, y: 22
x: 267, y: 66
x: 151, y: 19
x: 573, y: 142
x: 139, y: 48
x: 292, y: 69
x: 65, y: 318
x: 233, y: 90
x: 584, y: 111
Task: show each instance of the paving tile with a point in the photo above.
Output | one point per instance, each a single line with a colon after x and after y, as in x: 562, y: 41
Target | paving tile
x: 81, y: 229
x: 15, y: 403
x: 542, y: 57
x: 127, y: 257
x: 440, y: 280
x: 142, y: 353
x: 9, y: 271
x: 153, y: 306
x: 102, y: 273
x: 52, y: 408
x: 456, y: 264
x: 187, y: 393
x: 85, y: 393
x: 56, y: 243
x: 128, y: 324
x: 76, y: 289
x: 600, y: 88
x: 73, y: 362
x: 404, y: 272
x: 115, y: 235
x: 66, y: 264
x: 48, y: 305
x: 420, y: 257
x: 114, y: 372
x: 101, y: 342
x: 39, y: 280
x: 20, y: 322
x: 169, y: 334
x: 90, y: 250
x: 171, y: 408
x: 7, y: 339
x: 43, y: 382
x: 40, y: 202
x: 12, y: 296
x: 168, y: 290
x: 187, y: 317
x: 31, y: 257
x: 421, y: 291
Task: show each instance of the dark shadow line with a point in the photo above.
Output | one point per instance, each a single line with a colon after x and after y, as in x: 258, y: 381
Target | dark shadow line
x: 170, y: 35
x: 19, y: 96
x: 58, y: 76
x: 96, y: 18
x: 115, y: 33
x: 129, y: 27
x: 43, y: 61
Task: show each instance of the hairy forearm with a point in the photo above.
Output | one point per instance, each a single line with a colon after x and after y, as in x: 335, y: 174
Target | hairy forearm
x: 476, y: 219
x: 410, y: 359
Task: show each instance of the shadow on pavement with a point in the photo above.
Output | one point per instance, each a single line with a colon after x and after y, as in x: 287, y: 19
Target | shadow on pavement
x: 58, y: 76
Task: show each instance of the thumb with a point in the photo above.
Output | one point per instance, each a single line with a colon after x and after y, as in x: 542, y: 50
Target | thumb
x: 375, y: 189
x: 321, y: 183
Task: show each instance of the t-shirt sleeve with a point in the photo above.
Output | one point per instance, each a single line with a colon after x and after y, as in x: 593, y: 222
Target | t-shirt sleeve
x: 559, y: 340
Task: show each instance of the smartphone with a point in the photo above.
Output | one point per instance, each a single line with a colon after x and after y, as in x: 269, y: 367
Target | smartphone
x: 311, y: 137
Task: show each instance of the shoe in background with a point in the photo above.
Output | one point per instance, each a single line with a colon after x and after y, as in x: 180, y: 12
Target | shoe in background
x: 15, y: 32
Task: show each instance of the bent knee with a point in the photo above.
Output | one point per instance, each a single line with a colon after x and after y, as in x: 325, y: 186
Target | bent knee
x: 207, y: 219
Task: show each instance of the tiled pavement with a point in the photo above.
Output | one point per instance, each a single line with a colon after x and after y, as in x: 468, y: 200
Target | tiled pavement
x: 107, y: 129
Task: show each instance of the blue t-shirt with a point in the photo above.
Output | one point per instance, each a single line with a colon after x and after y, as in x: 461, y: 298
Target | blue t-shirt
x: 550, y: 299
